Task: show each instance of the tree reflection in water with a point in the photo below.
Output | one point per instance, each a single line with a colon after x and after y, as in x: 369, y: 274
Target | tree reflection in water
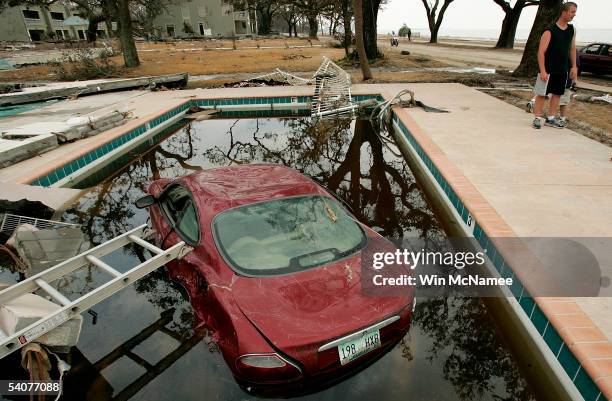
x: 348, y: 158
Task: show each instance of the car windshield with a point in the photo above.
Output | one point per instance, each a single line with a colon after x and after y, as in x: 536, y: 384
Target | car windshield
x: 286, y: 235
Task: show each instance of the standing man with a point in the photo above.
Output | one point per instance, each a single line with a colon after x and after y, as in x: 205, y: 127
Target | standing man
x: 556, y: 57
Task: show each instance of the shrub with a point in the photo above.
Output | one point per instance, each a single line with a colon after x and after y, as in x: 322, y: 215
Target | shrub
x: 403, y: 31
x: 83, y: 64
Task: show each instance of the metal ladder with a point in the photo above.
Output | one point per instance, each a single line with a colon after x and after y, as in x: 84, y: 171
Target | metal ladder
x: 69, y: 309
x: 332, y: 94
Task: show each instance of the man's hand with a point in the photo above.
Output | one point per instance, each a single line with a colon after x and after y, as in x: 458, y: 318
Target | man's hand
x: 544, y: 76
x: 574, y: 73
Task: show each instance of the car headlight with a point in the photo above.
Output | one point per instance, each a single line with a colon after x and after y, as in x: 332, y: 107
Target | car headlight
x: 267, y: 367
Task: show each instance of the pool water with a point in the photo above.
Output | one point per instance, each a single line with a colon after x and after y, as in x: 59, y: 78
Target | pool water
x: 144, y: 345
x: 7, y: 111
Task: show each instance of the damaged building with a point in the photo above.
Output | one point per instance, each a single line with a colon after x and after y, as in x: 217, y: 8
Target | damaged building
x: 28, y: 23
x: 201, y: 18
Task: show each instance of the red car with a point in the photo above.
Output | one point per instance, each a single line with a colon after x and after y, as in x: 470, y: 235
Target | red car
x: 275, y: 272
x: 595, y: 58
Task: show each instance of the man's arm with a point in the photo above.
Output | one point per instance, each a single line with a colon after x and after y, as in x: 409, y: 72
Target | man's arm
x: 574, y: 68
x: 544, y: 42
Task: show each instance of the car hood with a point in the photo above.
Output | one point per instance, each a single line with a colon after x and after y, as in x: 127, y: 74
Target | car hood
x: 304, y: 310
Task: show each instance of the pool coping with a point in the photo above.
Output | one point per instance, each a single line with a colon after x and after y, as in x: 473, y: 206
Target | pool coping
x: 581, y: 348
x: 583, y: 351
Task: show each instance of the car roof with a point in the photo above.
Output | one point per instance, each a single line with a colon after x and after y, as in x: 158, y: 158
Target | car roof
x: 223, y: 188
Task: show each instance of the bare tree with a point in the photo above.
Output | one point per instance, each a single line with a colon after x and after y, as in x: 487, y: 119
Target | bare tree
x: 363, y: 58
x: 311, y: 9
x: 511, y: 19
x: 434, y: 19
x: 265, y: 10
x: 290, y: 14
x: 345, y: 6
x: 548, y: 12
x: 369, y: 11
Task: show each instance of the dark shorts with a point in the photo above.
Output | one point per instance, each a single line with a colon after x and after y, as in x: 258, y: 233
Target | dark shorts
x: 556, y: 83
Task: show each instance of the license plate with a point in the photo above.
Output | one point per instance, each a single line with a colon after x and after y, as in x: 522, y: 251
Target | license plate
x: 353, y: 349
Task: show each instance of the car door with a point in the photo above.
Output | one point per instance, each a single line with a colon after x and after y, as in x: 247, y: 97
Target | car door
x: 605, y: 59
x: 179, y: 211
x: 589, y: 56
x: 194, y: 271
x: 181, y: 223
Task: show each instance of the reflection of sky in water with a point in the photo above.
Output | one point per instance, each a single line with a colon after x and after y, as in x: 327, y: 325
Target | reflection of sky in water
x: 428, y: 365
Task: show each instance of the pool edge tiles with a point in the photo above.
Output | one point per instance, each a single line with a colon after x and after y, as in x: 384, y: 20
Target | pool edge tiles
x: 96, y: 153
x: 60, y: 173
x: 585, y: 384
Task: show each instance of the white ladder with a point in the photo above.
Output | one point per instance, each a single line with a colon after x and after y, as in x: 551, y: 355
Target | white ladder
x: 69, y: 309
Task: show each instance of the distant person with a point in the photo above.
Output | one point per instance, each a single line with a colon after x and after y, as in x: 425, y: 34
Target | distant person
x: 394, y: 39
x: 556, y: 44
x: 409, y: 35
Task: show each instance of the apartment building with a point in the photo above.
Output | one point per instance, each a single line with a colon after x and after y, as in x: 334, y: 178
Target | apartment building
x: 199, y: 18
x: 34, y: 23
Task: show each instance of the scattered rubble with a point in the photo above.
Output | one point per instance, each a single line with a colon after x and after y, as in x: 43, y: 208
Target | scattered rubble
x: 82, y: 88
x: 253, y: 83
x: 30, y: 140
x: 294, y: 56
x: 21, y: 312
x: 41, y: 249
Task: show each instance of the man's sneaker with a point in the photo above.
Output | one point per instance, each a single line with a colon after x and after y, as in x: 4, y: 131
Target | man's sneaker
x: 537, y: 123
x: 556, y: 122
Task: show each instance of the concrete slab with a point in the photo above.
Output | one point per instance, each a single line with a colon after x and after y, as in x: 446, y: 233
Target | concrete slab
x: 64, y: 89
x: 140, y: 103
x: 56, y: 198
x: 13, y: 151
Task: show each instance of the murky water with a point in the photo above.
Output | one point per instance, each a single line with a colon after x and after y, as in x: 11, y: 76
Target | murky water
x: 143, y: 345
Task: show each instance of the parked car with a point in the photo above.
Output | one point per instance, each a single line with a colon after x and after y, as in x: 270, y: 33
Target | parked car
x: 275, y: 272
x: 595, y: 58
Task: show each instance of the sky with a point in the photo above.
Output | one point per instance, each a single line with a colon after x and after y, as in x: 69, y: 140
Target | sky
x: 472, y: 15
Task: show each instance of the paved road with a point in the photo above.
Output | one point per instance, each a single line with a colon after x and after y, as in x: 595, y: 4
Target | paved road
x: 507, y: 59
x: 461, y: 56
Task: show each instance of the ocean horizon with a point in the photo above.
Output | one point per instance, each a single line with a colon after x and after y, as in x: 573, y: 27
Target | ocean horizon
x: 582, y: 35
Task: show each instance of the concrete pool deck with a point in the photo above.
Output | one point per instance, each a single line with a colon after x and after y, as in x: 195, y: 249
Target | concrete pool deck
x: 516, y: 181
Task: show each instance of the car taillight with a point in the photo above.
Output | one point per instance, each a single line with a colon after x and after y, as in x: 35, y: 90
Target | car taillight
x: 266, y: 367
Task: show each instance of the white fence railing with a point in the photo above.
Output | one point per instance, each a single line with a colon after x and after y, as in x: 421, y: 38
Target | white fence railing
x: 11, y: 221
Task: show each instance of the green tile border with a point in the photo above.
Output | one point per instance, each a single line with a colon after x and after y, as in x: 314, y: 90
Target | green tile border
x: 74, y: 165
x: 583, y: 382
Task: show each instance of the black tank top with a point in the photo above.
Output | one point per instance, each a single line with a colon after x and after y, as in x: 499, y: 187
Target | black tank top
x: 557, y: 54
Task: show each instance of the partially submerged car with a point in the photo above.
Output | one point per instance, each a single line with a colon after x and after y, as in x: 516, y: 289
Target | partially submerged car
x: 275, y: 272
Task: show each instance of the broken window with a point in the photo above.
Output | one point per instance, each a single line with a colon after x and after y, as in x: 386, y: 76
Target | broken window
x: 31, y: 14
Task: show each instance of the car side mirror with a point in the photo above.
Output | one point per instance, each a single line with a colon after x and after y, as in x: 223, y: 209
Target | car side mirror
x: 145, y: 201
x: 378, y: 229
